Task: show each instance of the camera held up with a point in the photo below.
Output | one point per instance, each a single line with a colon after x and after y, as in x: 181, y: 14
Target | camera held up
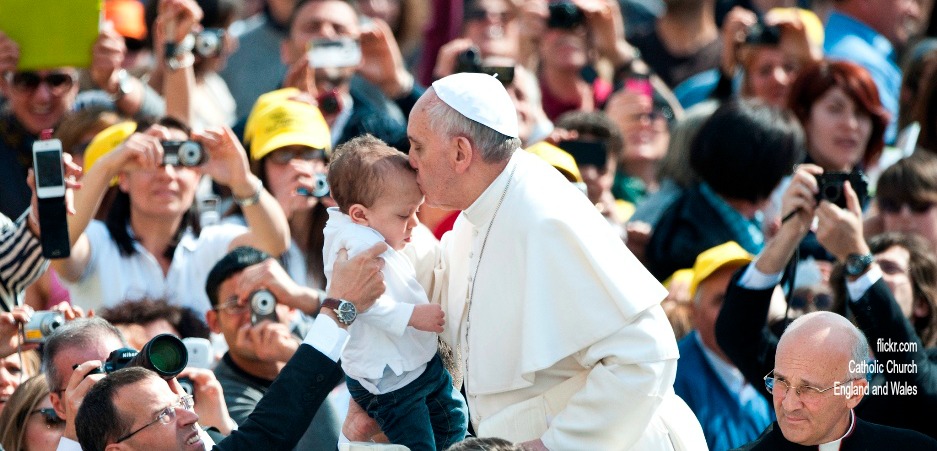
x: 830, y: 186
x: 165, y: 355
x: 263, y: 306
x: 41, y: 324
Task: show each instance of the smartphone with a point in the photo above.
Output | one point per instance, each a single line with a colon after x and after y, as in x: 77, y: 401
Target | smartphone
x: 49, y: 171
x: 593, y: 153
x: 200, y: 352
x: 332, y: 53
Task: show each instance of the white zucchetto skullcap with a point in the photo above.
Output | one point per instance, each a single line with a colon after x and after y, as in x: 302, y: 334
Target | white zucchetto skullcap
x: 481, y: 98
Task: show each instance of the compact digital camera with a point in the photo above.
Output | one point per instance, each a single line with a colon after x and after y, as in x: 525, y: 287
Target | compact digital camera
x: 830, y: 186
x: 41, y: 325
x: 209, y: 42
x: 263, y: 306
x: 183, y: 153
x: 321, y: 188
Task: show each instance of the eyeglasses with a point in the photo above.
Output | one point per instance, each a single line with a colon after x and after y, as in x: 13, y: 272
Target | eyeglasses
x: 284, y: 156
x: 894, y: 207
x: 481, y: 14
x: 51, y: 418
x: 806, y: 393
x: 232, y: 307
x: 28, y: 82
x: 166, y: 416
x: 822, y: 301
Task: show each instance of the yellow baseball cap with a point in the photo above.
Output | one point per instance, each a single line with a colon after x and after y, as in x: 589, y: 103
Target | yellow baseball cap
x: 262, y: 103
x: 711, y: 260
x: 289, y: 123
x: 558, y: 158
x: 107, y: 140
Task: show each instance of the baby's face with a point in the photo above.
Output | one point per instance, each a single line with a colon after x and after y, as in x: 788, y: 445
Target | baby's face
x: 394, y: 212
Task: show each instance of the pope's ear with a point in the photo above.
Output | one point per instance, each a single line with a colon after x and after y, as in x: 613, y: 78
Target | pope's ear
x: 463, y: 154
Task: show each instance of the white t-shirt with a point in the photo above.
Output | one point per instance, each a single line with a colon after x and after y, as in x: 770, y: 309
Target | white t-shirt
x: 111, y: 278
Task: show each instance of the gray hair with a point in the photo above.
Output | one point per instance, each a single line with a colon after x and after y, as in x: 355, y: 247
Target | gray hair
x: 80, y: 332
x: 493, y: 146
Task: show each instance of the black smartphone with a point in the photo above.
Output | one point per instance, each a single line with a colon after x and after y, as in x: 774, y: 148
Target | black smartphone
x: 49, y: 171
x: 593, y: 153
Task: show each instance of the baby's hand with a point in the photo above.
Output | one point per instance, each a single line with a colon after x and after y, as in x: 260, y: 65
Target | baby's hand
x: 428, y: 318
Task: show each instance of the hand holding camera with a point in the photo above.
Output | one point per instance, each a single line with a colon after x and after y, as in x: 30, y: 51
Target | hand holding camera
x: 84, y: 376
x: 839, y: 230
x: 10, y: 338
x: 227, y: 161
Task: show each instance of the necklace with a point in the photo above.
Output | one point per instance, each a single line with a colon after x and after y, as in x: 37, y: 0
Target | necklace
x: 471, y: 293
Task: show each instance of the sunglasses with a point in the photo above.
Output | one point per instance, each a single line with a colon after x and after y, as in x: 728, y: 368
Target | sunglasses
x: 822, y: 301
x: 284, y: 156
x: 894, y: 207
x: 477, y: 14
x: 28, y: 82
x: 51, y: 418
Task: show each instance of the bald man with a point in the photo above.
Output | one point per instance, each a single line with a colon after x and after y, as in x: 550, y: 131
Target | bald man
x: 819, y: 376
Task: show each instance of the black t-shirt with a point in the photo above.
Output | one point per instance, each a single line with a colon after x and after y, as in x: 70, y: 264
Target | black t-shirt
x: 674, y: 69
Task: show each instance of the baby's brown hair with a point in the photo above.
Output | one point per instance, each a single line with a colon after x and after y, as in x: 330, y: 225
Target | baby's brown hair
x: 360, y: 168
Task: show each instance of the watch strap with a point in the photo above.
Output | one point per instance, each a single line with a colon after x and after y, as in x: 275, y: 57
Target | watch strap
x: 253, y: 199
x: 857, y: 264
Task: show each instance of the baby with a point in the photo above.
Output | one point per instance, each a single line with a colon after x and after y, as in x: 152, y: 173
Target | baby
x: 392, y: 368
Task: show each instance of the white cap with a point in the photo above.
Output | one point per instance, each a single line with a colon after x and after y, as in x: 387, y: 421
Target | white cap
x: 481, y: 98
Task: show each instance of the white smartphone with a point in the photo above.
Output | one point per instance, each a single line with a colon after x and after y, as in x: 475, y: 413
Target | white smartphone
x: 200, y: 352
x: 49, y: 170
x: 330, y: 53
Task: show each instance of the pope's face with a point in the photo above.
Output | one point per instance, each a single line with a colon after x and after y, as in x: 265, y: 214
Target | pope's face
x: 430, y: 155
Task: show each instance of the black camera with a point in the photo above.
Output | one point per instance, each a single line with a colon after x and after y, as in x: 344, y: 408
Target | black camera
x: 41, y: 325
x: 183, y: 153
x: 762, y: 34
x: 165, y: 355
x: 565, y: 15
x: 830, y: 186
x: 263, y: 306
x: 321, y: 188
x: 470, y: 60
x: 209, y: 42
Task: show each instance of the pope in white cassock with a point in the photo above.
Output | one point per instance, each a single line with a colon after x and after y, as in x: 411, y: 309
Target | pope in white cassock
x: 563, y: 341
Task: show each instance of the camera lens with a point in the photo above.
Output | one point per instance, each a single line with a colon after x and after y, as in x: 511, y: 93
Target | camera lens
x: 322, y: 186
x: 190, y: 154
x: 165, y: 354
x: 263, y: 302
x: 832, y: 192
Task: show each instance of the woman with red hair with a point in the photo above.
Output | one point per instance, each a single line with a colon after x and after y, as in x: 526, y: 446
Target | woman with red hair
x: 844, y: 121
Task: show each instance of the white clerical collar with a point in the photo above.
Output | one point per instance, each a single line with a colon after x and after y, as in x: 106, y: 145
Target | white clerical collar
x: 834, y: 445
x: 481, y: 211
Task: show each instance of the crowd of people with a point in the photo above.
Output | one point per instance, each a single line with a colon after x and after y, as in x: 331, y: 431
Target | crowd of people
x: 476, y: 225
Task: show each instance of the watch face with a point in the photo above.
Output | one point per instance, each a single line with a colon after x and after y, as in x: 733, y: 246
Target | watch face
x: 347, y: 312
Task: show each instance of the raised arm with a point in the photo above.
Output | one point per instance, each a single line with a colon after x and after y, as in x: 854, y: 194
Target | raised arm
x: 139, y: 151
x: 227, y: 164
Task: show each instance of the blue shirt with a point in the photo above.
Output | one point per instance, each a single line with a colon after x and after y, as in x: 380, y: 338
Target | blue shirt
x: 731, y: 412
x: 851, y: 40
